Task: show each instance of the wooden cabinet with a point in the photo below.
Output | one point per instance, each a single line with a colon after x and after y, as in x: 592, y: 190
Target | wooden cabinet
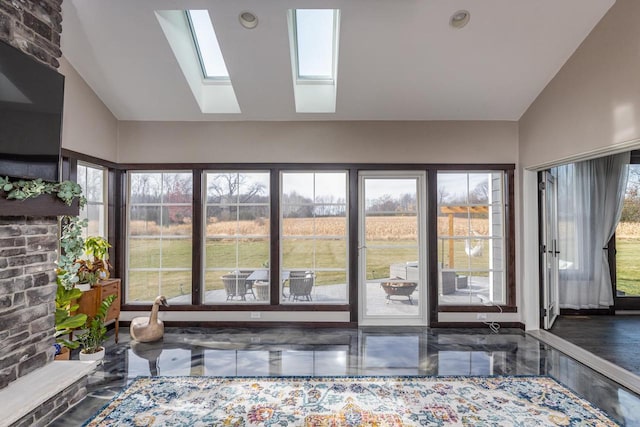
x: 91, y: 300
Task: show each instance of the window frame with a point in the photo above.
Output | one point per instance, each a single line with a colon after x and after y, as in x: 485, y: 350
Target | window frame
x: 314, y: 237
x: 353, y: 168
x: 127, y: 234
x: 105, y: 195
x: 236, y: 237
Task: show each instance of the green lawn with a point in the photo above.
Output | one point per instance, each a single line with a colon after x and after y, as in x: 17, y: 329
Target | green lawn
x: 224, y: 255
x: 628, y: 266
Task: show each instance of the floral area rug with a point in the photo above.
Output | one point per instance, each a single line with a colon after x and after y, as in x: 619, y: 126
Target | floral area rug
x: 348, y: 401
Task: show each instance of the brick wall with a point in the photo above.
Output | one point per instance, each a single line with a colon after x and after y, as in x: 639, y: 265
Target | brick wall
x: 27, y: 294
x: 28, y: 245
x: 33, y: 27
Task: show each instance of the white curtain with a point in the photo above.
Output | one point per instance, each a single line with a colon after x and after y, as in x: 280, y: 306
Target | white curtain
x: 590, y: 198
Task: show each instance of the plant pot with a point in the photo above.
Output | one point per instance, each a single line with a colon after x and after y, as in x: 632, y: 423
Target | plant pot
x: 84, y: 287
x: 88, y: 357
x: 64, y: 354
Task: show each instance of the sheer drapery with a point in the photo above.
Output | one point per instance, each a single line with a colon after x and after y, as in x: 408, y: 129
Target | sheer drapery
x: 590, y: 198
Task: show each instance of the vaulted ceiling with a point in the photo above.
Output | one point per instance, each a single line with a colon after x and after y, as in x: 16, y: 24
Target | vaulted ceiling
x: 398, y: 59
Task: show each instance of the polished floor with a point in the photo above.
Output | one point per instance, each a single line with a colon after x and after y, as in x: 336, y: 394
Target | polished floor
x: 614, y: 338
x: 340, y: 352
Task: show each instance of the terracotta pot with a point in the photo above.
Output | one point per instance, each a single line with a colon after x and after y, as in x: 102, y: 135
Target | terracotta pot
x: 65, y: 353
x: 87, y: 357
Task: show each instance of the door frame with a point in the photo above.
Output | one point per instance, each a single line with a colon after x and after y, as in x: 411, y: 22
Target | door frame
x: 549, y: 309
x: 423, y: 287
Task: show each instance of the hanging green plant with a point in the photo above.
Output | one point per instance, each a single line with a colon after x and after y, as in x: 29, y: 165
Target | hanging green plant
x: 67, y: 191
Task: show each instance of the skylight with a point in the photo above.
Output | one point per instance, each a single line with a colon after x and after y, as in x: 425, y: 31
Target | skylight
x: 209, y: 53
x: 315, y: 43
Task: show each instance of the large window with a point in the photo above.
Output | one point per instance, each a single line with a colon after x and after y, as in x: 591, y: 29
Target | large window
x: 471, y: 238
x: 237, y: 237
x: 314, y: 230
x: 93, y: 180
x: 159, y: 242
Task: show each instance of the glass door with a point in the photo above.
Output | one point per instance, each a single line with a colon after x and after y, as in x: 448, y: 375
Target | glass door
x: 392, y: 242
x: 550, y: 250
x: 624, y: 248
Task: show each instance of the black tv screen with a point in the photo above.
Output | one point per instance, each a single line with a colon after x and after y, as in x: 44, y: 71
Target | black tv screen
x: 31, y: 102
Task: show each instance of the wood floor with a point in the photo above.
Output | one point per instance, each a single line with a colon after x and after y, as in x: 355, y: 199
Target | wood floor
x: 614, y: 338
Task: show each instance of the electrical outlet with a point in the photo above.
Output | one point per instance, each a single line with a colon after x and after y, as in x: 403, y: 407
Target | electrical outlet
x: 255, y: 314
x: 482, y: 316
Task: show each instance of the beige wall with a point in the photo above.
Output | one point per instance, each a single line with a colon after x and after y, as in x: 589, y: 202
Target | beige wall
x: 593, y: 103
x: 88, y: 126
x: 310, y: 142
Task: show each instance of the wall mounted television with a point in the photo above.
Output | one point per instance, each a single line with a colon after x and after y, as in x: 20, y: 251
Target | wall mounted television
x: 31, y: 102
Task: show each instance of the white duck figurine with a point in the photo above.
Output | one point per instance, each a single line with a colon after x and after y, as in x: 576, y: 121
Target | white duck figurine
x: 149, y: 329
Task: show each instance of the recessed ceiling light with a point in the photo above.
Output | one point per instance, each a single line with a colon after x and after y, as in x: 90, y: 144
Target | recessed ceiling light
x: 460, y: 19
x: 248, y: 20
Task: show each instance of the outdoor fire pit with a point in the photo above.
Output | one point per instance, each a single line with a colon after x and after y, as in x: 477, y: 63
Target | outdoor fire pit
x: 404, y: 289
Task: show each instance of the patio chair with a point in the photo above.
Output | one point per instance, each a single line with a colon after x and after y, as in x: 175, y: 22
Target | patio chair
x: 235, y: 285
x: 301, y: 286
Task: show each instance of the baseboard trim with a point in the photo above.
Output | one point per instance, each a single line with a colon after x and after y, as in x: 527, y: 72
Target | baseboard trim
x: 510, y: 325
x: 308, y: 325
x: 610, y: 370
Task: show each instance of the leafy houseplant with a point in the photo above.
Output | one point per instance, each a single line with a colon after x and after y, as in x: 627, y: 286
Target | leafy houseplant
x: 66, y: 322
x: 72, y: 248
x: 94, y: 336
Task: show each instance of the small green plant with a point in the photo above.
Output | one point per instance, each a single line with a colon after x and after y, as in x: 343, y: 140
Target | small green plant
x: 65, y: 321
x: 97, y: 247
x: 94, y: 336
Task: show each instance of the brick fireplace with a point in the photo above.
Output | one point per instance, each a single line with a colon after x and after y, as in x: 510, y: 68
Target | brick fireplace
x: 33, y: 389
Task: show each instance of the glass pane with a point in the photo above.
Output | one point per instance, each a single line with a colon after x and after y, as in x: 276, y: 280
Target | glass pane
x: 222, y: 220
x: 254, y: 220
x: 452, y: 188
x: 214, y: 289
x: 145, y: 187
x: 627, y: 239
x: 176, y: 286
x: 314, y: 37
x: 391, y: 230
x: 254, y: 187
x: 470, y: 265
x: 82, y: 178
x: 222, y: 188
x: 177, y: 188
x: 221, y: 253
x: 297, y: 253
x: 253, y: 253
x: 144, y: 220
x: 331, y: 187
x: 95, y: 217
x: 392, y: 263
x: 331, y: 253
x: 143, y: 286
x: 297, y: 188
x: 144, y: 253
x: 95, y: 185
x: 176, y: 220
x: 330, y: 287
x: 210, y: 55
x: 390, y: 195
x: 176, y: 253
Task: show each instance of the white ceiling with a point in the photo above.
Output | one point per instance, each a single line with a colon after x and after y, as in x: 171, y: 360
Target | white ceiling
x: 398, y: 59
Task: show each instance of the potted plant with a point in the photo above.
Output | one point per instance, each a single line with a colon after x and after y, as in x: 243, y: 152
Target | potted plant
x: 94, y: 264
x: 66, y: 321
x: 93, y: 337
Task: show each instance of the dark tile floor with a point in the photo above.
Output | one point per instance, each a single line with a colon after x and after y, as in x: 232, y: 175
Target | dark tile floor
x: 614, y: 338
x: 364, y: 351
